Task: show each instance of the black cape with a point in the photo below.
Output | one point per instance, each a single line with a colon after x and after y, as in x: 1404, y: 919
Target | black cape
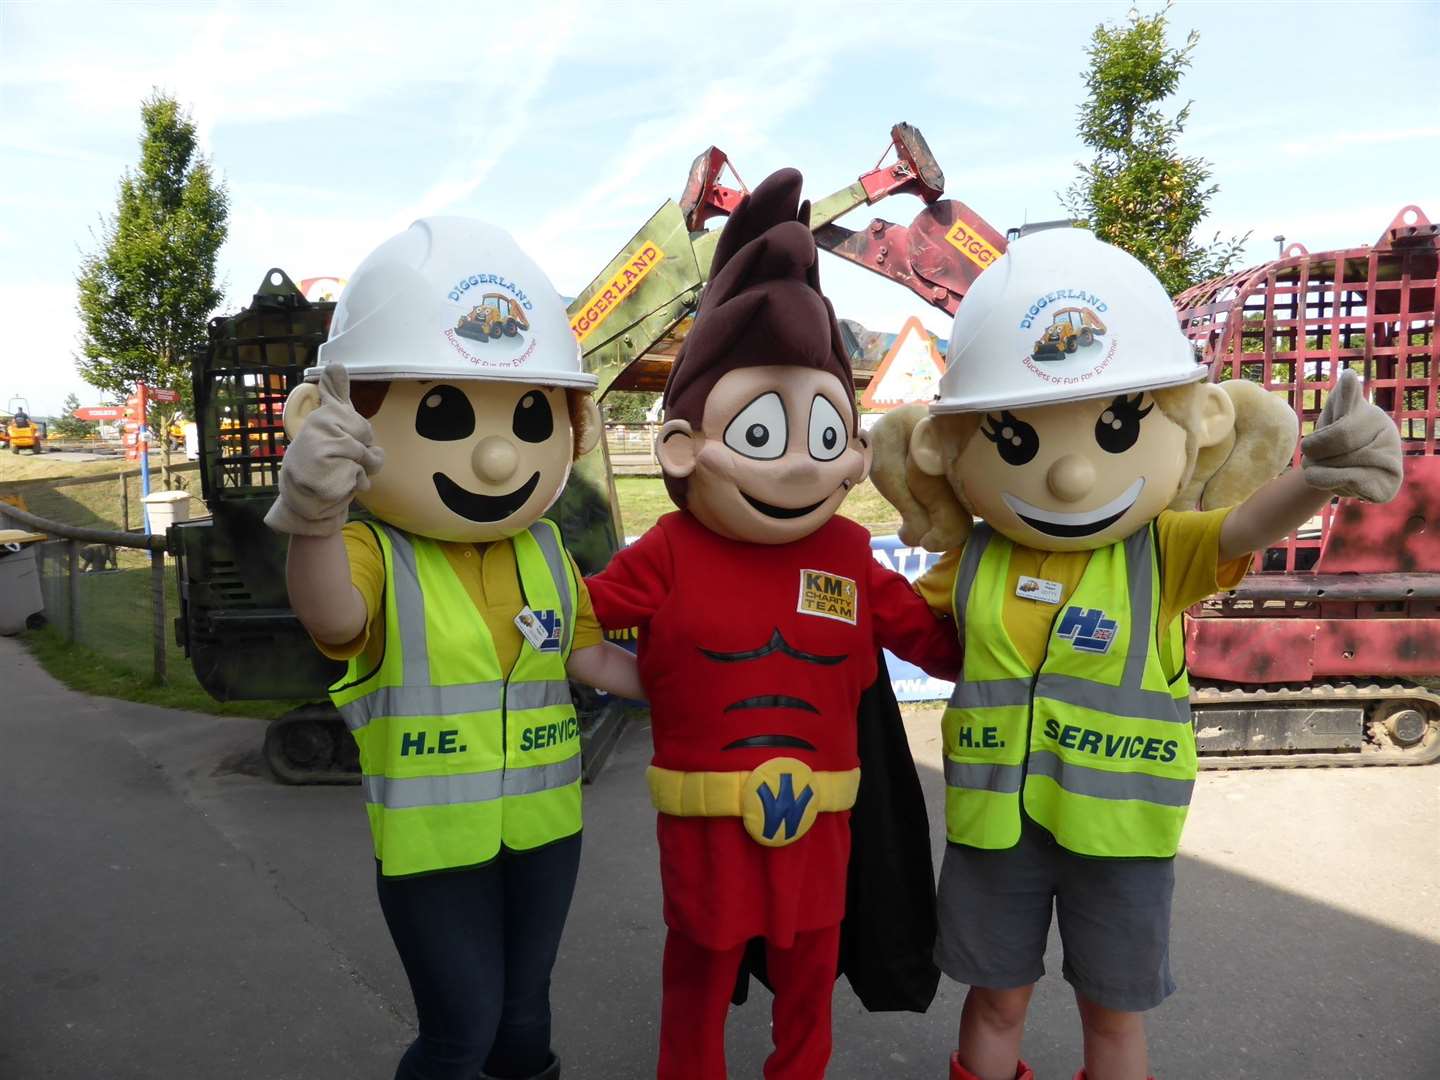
x: 887, y: 940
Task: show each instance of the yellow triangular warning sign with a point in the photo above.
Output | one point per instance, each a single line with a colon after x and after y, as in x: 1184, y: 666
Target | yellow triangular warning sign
x: 909, y: 373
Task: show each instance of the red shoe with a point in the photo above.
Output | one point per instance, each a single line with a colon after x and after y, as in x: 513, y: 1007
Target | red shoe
x: 959, y: 1072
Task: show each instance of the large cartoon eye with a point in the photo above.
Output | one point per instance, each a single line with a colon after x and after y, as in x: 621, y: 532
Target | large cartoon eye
x: 533, y: 421
x: 1119, y: 425
x: 444, y: 415
x: 827, y: 430
x: 1016, y: 440
x: 759, y: 429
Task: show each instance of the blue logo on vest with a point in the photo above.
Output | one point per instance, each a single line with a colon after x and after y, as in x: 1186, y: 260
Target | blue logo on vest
x: 784, y: 808
x: 1088, y: 629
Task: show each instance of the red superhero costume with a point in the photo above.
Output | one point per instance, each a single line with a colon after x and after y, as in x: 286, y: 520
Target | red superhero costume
x: 760, y: 614
x: 727, y: 658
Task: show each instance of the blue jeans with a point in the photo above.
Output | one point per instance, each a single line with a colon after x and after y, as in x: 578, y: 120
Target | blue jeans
x: 478, y: 946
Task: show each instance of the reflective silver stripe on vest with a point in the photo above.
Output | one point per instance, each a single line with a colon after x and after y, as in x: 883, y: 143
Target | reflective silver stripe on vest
x: 1139, y: 556
x: 1002, y: 778
x: 409, y: 609
x: 543, y: 777
x: 537, y: 695
x: 408, y: 793
x: 422, y: 701
x: 547, y: 537
x: 965, y: 574
x: 1125, y: 700
x: 991, y: 693
x: 1101, y: 784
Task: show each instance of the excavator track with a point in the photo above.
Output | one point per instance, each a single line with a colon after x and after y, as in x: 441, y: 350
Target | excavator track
x: 1315, y: 726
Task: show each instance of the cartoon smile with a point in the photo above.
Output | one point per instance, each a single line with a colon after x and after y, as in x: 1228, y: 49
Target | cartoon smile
x: 1085, y: 523
x: 781, y: 511
x: 483, y: 508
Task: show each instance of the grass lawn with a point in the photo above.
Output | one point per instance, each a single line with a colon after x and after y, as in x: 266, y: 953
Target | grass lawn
x: 113, y: 652
x: 643, y: 500
x: 96, y: 504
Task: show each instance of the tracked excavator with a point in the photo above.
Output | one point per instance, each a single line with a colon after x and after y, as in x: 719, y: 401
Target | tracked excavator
x: 1320, y: 658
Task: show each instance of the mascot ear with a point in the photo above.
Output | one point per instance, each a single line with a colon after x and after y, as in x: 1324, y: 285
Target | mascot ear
x: 925, y: 449
x: 1215, y: 415
x: 590, y: 428
x: 675, y: 448
x: 303, y: 400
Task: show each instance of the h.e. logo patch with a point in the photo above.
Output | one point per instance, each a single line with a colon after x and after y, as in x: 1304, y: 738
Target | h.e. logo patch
x: 1087, y: 629
x: 827, y: 595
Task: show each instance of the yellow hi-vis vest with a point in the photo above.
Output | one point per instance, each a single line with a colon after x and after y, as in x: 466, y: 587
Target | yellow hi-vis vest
x: 1098, y: 742
x: 457, y: 757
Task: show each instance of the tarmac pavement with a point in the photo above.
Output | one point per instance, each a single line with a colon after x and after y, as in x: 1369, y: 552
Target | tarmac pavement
x: 166, y: 910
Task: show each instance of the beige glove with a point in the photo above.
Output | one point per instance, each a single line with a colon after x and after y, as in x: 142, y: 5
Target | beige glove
x: 1355, y: 447
x: 327, y: 464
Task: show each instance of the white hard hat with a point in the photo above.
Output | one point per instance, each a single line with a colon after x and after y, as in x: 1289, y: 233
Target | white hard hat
x: 452, y: 298
x: 1062, y: 316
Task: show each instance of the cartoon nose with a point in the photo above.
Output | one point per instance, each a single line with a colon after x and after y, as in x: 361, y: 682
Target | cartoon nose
x: 495, y: 459
x: 1071, y: 478
x: 801, y: 472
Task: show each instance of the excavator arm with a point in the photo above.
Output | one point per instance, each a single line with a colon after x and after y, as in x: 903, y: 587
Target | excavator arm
x: 632, y: 318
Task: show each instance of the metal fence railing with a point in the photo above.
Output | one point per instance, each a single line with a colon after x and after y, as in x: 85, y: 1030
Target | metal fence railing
x: 106, y: 500
x: 94, y: 583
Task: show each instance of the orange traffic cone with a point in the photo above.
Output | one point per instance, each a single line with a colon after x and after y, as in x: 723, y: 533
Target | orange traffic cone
x: 959, y: 1072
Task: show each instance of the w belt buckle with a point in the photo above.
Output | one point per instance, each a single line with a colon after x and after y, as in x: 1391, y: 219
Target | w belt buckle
x: 779, y: 802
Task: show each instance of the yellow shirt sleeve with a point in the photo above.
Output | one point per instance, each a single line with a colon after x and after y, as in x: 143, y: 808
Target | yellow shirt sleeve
x: 937, y: 585
x: 367, y: 574
x: 587, y: 627
x: 1190, y: 560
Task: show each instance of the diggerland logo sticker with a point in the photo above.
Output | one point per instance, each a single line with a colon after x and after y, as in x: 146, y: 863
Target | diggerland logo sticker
x: 491, y: 320
x: 1070, y: 329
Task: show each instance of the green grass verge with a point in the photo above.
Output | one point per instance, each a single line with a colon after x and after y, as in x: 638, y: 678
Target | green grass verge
x: 113, y: 654
x: 643, y: 501
x: 82, y: 668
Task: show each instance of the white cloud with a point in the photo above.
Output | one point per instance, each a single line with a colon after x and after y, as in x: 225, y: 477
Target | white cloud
x: 41, y: 327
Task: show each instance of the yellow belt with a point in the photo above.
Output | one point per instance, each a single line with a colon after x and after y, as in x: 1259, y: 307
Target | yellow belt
x: 778, y: 801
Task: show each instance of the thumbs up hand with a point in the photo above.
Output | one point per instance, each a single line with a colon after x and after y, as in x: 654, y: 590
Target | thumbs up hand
x: 330, y: 459
x: 1355, y: 447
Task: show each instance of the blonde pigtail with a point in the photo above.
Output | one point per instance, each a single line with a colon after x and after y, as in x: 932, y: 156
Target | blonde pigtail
x: 1259, y: 449
x: 931, y: 515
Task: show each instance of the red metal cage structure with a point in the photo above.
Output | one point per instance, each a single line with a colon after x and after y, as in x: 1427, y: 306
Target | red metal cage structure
x: 1354, y: 598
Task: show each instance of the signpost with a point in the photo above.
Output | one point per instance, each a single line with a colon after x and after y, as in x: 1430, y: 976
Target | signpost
x: 99, y: 412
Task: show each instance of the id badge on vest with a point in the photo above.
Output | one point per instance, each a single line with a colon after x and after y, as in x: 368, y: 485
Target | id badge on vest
x: 1038, y: 589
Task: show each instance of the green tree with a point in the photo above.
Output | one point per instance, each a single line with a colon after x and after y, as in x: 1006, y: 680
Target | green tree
x: 628, y: 406
x: 66, y: 425
x: 1139, y: 192
x: 147, y: 291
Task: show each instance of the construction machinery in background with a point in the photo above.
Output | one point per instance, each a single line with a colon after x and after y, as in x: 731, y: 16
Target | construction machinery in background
x: 1319, y: 658
x: 1329, y: 652
x: 21, y: 431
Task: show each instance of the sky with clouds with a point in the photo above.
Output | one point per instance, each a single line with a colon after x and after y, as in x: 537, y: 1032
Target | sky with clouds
x: 335, y: 125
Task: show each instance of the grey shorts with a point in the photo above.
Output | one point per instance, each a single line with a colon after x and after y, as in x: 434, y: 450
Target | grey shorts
x: 1114, y: 915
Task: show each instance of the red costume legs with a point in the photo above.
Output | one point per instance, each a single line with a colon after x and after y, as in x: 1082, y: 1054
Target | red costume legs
x: 695, y: 995
x: 804, y: 981
x: 696, y: 998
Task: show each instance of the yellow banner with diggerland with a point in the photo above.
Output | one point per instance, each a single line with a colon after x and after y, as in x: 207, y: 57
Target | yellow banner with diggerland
x: 614, y: 291
x: 967, y: 240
